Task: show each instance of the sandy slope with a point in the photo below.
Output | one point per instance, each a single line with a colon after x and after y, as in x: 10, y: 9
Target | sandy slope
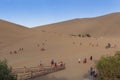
x: 106, y: 26
x: 59, y: 45
x: 10, y: 33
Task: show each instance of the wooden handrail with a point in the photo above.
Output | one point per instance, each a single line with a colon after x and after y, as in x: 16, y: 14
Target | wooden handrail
x: 32, y: 74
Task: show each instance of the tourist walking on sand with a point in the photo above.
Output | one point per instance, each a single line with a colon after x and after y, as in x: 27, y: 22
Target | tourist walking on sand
x: 95, y: 75
x: 91, y: 69
x: 52, y: 62
x: 55, y: 65
x: 92, y: 73
x: 41, y: 67
x: 91, y: 58
x: 85, y: 60
x: 41, y: 63
x: 79, y: 60
x: 60, y: 63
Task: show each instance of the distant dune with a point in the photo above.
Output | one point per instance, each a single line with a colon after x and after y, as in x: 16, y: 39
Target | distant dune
x: 44, y: 43
x: 102, y: 26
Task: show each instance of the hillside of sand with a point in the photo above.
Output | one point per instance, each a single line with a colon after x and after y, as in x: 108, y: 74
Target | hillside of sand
x: 59, y: 45
x: 10, y: 33
x: 102, y: 26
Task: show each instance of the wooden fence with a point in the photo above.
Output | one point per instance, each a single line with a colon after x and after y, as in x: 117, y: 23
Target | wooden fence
x: 32, y: 72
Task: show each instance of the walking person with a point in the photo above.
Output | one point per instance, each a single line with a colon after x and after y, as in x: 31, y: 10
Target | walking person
x: 55, y: 65
x: 91, y: 73
x: 60, y: 63
x: 95, y: 76
x: 41, y: 63
x: 41, y: 66
x: 79, y: 60
x: 91, y: 58
x: 52, y: 62
x: 91, y: 70
x: 85, y: 60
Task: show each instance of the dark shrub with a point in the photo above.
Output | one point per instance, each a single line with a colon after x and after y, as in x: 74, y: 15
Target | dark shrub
x: 5, y: 71
x: 108, y: 68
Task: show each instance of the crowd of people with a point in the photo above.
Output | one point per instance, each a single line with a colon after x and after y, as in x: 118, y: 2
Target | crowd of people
x: 93, y: 72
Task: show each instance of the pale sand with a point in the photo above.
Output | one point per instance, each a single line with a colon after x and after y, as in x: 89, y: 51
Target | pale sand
x: 59, y: 46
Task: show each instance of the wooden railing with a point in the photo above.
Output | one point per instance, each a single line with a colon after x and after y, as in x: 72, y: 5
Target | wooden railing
x: 32, y: 72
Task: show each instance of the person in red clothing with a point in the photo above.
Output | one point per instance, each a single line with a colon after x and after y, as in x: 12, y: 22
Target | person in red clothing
x: 61, y: 63
x: 85, y: 60
x: 55, y: 65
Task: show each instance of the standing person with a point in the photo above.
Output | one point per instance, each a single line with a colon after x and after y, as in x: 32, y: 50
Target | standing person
x: 41, y: 67
x: 22, y: 49
x: 109, y: 45
x: 79, y: 60
x: 95, y: 75
x: 19, y: 49
x: 60, y: 63
x: 91, y: 58
x: 52, y: 62
x: 55, y: 65
x: 40, y: 63
x: 91, y: 73
x: 85, y: 60
x: 15, y: 52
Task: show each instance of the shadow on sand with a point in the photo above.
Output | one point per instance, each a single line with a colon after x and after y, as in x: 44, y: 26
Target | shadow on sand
x: 87, y: 76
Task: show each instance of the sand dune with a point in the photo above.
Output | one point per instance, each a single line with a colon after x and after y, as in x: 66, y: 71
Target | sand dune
x: 11, y: 32
x: 59, y: 45
x: 9, y: 28
x: 106, y: 26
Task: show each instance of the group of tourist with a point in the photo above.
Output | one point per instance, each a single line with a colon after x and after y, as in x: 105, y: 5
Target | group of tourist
x: 93, y: 73
x: 93, y: 45
x: 56, y: 65
x: 85, y: 60
x: 16, y: 51
x: 43, y: 44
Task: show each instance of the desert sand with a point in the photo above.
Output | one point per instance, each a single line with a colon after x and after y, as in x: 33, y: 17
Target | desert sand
x: 59, y: 45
